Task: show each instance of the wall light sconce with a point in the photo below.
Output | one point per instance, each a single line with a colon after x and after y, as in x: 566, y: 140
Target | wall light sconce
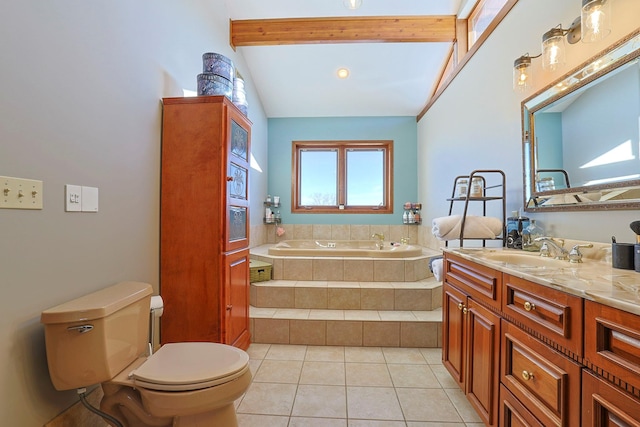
x: 352, y: 4
x: 596, y: 20
x: 593, y: 24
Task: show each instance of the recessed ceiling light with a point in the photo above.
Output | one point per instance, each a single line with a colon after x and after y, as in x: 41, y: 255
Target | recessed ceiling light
x: 352, y: 4
x: 343, y: 73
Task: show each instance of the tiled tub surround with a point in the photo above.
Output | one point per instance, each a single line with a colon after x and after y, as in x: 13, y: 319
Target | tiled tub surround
x: 594, y: 279
x: 350, y: 269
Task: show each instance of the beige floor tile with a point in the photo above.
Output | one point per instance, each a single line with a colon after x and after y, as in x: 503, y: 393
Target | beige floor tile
x: 320, y: 401
x: 316, y: 422
x: 274, y: 296
x: 404, y: 355
x: 428, y: 424
x: 397, y: 315
x: 291, y: 313
x: 344, y: 284
x: 361, y: 315
x: 434, y: 315
x: 254, y: 365
x: 323, y: 373
x: 311, y: 284
x: 279, y: 371
x: 258, y: 351
x: 250, y: 420
x: 462, y: 405
x: 419, y: 334
x: 388, y: 270
x: 413, y: 376
x: 325, y: 353
x: 432, y: 355
x: 368, y: 374
x: 261, y: 312
x: 444, y: 377
x: 328, y: 269
x: 268, y: 399
x: 311, y: 297
x: 364, y: 354
x: 358, y: 270
x: 412, y: 299
x: 326, y: 314
x: 373, y: 423
x: 373, y: 403
x: 286, y: 352
x: 297, y: 269
x: 440, y: 407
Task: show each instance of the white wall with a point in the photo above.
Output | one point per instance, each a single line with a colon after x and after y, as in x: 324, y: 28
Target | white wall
x: 475, y: 124
x: 81, y: 84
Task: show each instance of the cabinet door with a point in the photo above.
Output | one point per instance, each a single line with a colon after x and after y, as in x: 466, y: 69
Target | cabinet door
x: 237, y: 191
x: 604, y: 405
x: 236, y: 299
x: 513, y: 413
x: 453, y: 343
x: 483, y: 358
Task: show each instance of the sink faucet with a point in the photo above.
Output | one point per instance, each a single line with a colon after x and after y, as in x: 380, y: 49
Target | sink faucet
x: 575, y: 256
x: 380, y: 241
x: 559, y: 250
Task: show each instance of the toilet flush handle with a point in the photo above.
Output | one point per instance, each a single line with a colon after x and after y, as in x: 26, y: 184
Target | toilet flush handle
x: 80, y: 328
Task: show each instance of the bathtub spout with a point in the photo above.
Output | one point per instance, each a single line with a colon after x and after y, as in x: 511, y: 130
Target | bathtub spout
x: 380, y: 241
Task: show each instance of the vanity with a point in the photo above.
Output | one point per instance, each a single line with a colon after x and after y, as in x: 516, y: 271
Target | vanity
x: 537, y: 341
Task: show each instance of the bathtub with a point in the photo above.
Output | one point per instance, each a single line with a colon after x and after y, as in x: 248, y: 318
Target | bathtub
x: 343, y: 248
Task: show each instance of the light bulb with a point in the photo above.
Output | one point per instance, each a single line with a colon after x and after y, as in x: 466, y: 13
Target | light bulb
x: 521, y: 74
x: 596, y: 20
x: 352, y: 4
x: 343, y: 73
x: 553, y: 49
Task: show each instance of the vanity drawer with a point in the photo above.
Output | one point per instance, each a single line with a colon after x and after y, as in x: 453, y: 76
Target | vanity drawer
x: 553, y: 316
x: 605, y: 405
x: 612, y: 342
x: 513, y: 413
x: 540, y: 378
x: 480, y: 282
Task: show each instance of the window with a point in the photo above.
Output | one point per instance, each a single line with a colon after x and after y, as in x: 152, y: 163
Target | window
x: 342, y: 176
x: 482, y: 16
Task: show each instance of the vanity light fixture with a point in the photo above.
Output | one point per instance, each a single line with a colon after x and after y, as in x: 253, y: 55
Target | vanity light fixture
x: 343, y: 73
x: 593, y: 24
x: 596, y: 20
x: 352, y: 4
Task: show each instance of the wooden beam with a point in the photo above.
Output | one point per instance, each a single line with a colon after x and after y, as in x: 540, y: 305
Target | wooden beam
x: 383, y: 29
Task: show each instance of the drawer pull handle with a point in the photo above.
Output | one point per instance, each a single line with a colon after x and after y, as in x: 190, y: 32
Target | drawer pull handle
x: 528, y: 306
x: 464, y: 310
x: 229, y: 307
x: 527, y: 375
x: 460, y: 306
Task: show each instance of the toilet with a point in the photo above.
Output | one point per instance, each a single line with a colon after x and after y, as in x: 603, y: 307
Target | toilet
x: 103, y: 338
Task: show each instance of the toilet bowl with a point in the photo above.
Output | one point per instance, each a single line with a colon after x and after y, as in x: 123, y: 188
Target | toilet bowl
x: 102, y: 338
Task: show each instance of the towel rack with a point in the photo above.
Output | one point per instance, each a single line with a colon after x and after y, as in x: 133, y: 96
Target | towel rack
x: 497, y: 192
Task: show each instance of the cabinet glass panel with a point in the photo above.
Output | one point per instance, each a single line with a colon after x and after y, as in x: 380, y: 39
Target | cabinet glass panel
x: 237, y: 223
x: 238, y: 187
x: 239, y: 141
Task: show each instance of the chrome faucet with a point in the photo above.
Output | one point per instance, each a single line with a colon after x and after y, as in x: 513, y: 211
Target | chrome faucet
x: 575, y: 256
x: 559, y: 251
x: 380, y: 241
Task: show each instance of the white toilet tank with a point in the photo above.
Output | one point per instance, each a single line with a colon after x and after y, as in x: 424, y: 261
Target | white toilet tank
x: 91, y: 339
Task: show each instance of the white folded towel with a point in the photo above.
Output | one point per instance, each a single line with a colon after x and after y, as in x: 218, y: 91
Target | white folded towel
x: 475, y: 227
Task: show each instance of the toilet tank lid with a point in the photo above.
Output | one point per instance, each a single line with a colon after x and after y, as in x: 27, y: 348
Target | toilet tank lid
x: 97, y: 304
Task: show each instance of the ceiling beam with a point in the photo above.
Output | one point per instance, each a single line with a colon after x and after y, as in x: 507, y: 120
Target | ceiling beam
x: 382, y: 29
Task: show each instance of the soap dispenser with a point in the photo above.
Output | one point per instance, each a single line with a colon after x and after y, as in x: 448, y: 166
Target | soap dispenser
x: 529, y: 236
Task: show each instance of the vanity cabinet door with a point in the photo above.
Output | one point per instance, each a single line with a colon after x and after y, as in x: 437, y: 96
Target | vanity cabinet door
x: 554, y: 317
x: 605, y: 405
x: 542, y: 379
x: 481, y: 283
x: 470, y: 350
x: 236, y: 298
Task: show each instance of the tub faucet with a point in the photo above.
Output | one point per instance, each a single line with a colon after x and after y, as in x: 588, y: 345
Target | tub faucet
x: 380, y: 241
x: 559, y: 250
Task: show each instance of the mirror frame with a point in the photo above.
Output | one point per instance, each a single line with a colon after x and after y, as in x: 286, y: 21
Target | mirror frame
x: 620, y: 53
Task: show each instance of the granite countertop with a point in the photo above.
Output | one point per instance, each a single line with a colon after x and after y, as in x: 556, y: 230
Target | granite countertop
x: 594, y: 279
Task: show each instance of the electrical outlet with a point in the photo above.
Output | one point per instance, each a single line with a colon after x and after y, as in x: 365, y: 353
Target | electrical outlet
x: 73, y: 198
x: 20, y: 193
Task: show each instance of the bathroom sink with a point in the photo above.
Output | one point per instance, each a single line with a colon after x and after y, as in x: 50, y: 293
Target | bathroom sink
x: 522, y: 259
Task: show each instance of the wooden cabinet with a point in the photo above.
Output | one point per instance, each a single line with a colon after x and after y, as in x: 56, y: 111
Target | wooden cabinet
x: 471, y: 337
x: 540, y: 378
x: 604, y: 405
x: 204, y: 221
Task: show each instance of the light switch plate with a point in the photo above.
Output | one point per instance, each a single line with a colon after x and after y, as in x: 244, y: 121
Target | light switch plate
x: 20, y: 193
x: 89, y: 199
x: 73, y: 198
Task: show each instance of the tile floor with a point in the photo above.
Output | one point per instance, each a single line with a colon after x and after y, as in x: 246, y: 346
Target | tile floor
x: 327, y: 386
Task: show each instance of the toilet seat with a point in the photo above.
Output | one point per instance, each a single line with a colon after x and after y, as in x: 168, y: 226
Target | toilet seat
x: 190, y: 366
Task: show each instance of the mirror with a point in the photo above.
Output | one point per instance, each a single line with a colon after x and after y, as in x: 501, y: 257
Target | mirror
x: 581, y: 135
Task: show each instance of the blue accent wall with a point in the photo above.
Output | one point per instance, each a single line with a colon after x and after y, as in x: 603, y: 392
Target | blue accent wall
x: 402, y: 130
